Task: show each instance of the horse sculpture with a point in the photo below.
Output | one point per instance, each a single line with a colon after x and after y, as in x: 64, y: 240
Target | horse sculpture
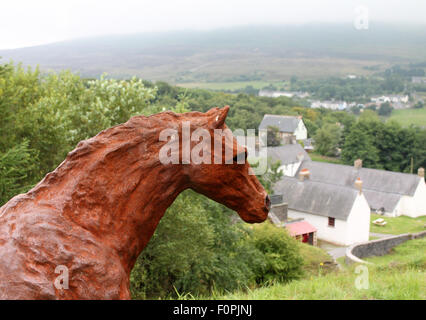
x: 95, y: 213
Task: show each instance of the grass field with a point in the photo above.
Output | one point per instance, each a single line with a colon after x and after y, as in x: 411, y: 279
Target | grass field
x: 320, y: 158
x: 407, y: 117
x: 411, y: 254
x: 398, y: 225
x: 315, y: 260
x: 399, y: 275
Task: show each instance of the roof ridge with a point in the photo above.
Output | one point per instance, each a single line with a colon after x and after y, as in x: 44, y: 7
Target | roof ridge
x: 409, y: 182
x: 309, y: 180
x: 372, y: 169
x: 280, y: 115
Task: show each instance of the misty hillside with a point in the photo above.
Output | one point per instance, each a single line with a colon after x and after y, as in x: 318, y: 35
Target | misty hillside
x: 233, y: 54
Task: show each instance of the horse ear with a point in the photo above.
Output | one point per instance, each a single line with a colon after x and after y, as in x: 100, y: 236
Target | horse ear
x: 219, y: 117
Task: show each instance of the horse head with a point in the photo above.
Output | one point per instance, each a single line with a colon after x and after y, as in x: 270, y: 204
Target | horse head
x: 218, y: 167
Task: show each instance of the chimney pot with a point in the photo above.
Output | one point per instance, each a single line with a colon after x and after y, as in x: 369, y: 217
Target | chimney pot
x: 304, y: 174
x: 358, y: 185
x: 421, y: 172
x: 358, y: 164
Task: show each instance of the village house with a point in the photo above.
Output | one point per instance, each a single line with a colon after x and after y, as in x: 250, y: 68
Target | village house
x: 332, y: 105
x: 387, y: 192
x: 291, y: 157
x: 276, y: 94
x: 418, y: 79
x: 337, y: 214
x: 299, y: 229
x: 288, y: 126
x: 397, y: 101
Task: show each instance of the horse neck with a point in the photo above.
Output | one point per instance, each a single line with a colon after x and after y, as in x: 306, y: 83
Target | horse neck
x: 120, y: 194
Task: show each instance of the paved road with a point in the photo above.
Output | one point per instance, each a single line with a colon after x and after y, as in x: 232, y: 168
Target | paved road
x: 337, y: 252
x: 333, y: 250
x: 340, y: 251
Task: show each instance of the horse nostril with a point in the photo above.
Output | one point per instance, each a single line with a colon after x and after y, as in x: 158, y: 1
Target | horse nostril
x: 268, y: 202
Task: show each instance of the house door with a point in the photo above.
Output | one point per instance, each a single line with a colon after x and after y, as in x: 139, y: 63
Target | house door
x: 305, y: 238
x: 311, y: 238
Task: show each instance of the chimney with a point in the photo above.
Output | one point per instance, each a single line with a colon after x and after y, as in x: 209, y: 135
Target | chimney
x: 358, y: 164
x: 304, y: 174
x: 358, y: 185
x: 421, y: 172
x: 279, y: 208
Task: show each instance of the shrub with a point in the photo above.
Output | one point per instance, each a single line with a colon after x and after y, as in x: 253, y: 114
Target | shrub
x: 196, y: 250
x: 17, y: 167
x: 283, y: 262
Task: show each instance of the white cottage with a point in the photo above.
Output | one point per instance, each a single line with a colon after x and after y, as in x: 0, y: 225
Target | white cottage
x: 392, y: 193
x: 341, y: 215
x: 288, y: 126
x: 291, y: 157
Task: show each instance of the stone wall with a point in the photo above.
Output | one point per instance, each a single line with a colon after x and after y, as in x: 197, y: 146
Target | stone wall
x: 378, y: 247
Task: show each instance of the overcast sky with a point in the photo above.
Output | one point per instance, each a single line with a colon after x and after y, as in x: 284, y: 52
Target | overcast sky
x: 30, y: 22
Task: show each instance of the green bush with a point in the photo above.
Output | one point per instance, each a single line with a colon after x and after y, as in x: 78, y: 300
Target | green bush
x: 17, y: 168
x: 52, y: 113
x: 195, y: 249
x: 282, y: 261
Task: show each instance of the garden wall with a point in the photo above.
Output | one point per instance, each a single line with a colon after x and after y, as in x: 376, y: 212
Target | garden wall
x: 378, y: 247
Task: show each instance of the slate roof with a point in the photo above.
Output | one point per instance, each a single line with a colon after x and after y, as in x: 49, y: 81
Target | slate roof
x: 377, y: 200
x: 373, y: 179
x: 284, y: 123
x: 289, y: 153
x: 382, y: 188
x: 317, y: 198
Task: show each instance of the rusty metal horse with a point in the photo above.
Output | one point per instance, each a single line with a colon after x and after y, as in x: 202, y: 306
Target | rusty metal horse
x: 96, y: 212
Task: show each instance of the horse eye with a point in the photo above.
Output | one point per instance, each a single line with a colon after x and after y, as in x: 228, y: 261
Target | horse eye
x: 240, y: 156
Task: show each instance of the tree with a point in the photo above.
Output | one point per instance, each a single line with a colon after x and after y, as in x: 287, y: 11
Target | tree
x: 356, y: 110
x: 271, y: 176
x: 372, y: 107
x: 419, y: 105
x: 385, y: 109
x: 369, y: 115
x: 273, y: 136
x: 327, y: 139
x: 311, y: 127
x: 18, y: 166
x: 360, y: 145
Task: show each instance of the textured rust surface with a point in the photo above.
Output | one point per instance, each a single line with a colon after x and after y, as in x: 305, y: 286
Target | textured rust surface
x: 97, y: 211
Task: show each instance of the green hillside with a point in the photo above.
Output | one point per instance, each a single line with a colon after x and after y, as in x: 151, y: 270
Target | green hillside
x: 407, y: 117
x: 256, y: 53
x: 399, y: 275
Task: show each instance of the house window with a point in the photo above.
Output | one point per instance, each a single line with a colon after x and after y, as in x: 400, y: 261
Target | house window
x: 331, y: 222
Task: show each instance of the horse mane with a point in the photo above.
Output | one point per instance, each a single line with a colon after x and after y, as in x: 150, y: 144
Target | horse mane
x: 144, y: 126
x: 112, y: 142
